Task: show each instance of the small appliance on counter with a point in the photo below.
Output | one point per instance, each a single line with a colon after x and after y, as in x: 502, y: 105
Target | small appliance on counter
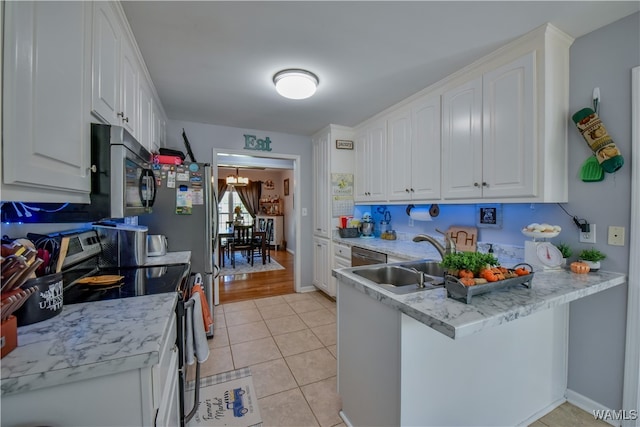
x: 366, y: 226
x: 124, y: 245
x: 156, y: 245
x: 538, y: 252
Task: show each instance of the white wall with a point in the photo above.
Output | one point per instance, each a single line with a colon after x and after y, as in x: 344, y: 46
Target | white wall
x: 204, y: 138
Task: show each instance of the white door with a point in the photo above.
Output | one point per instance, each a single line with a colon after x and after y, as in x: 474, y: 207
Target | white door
x: 129, y: 89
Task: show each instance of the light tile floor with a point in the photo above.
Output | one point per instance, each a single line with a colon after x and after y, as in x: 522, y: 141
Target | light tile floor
x: 289, y: 342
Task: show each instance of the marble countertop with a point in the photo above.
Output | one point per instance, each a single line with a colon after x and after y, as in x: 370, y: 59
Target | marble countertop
x: 456, y: 319
x: 88, y: 340
x: 182, y: 257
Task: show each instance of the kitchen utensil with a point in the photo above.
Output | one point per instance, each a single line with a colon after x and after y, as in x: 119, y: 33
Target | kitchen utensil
x: 45, y: 304
x: 591, y: 170
x: 62, y: 254
x: 107, y: 279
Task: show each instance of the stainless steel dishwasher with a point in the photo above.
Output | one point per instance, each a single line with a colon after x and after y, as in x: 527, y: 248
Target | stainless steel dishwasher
x: 362, y: 256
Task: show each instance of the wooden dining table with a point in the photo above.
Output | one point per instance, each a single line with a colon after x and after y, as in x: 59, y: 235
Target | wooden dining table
x: 229, y: 235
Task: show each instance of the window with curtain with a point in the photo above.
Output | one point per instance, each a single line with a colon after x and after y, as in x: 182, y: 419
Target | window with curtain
x: 226, y: 207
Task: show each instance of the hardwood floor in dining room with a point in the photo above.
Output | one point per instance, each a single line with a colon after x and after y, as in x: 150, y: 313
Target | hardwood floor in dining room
x: 240, y: 287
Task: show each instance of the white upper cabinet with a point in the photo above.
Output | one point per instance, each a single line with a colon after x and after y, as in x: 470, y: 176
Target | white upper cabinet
x: 370, y: 162
x: 509, y: 160
x: 107, y: 38
x: 487, y: 140
x: 321, y: 183
x: 462, y: 141
x: 146, y: 124
x: 45, y: 106
x: 413, y: 151
x: 117, y: 74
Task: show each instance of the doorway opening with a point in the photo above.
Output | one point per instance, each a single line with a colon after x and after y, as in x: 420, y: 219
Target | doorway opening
x: 278, y: 174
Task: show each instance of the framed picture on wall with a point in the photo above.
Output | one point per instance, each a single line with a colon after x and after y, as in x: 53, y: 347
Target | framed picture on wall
x: 489, y: 216
x: 286, y: 187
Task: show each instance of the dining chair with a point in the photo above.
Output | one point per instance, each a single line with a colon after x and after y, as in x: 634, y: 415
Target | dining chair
x: 243, y: 242
x: 263, y: 247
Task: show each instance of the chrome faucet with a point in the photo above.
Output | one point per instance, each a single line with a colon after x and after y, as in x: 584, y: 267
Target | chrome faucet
x: 450, y: 244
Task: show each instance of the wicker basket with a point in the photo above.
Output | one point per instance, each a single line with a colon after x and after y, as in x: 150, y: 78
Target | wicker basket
x: 348, y: 232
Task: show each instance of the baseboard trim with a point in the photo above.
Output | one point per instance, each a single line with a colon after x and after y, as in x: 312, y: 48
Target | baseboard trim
x: 541, y: 413
x: 589, y: 405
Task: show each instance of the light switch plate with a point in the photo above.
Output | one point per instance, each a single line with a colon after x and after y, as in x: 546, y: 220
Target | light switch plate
x: 588, y: 236
x: 616, y: 236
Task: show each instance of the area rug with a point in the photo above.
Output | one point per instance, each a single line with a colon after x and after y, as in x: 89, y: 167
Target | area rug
x: 226, y: 399
x: 244, y: 267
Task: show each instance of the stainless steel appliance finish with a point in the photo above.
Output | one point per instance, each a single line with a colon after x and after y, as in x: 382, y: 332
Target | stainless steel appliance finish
x: 123, y: 245
x: 122, y: 182
x: 156, y: 245
x: 187, y: 228
x: 362, y: 256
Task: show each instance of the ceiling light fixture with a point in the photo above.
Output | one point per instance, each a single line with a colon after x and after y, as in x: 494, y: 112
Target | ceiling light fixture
x: 237, y: 180
x: 295, y: 83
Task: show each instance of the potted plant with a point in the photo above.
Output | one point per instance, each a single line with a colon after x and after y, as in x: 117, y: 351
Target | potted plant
x: 565, y: 250
x: 592, y: 258
x: 238, y: 212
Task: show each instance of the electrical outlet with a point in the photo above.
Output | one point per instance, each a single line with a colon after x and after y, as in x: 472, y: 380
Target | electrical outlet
x: 588, y: 236
x: 304, y: 212
x: 616, y: 236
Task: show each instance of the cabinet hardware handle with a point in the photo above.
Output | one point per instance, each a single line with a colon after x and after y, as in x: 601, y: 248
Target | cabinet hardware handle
x: 93, y: 168
x: 121, y: 114
x: 125, y: 119
x: 412, y: 190
x: 484, y: 184
x: 406, y: 190
x: 174, y: 348
x: 475, y: 184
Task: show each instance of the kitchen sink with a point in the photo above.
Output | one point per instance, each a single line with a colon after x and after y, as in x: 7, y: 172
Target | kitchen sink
x: 398, y: 279
x: 429, y: 267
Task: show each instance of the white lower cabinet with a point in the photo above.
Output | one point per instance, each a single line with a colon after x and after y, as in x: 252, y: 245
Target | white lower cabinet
x: 341, y: 259
x: 425, y: 378
x: 139, y: 397
x: 45, y: 147
x: 321, y: 270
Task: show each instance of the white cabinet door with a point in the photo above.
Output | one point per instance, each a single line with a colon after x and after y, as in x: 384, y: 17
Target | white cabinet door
x: 105, y: 93
x: 377, y: 161
x: 370, y: 171
x: 413, y: 152
x: 321, y: 263
x: 129, y: 89
x: 321, y: 184
x: 45, y: 105
x: 462, y: 141
x: 399, y: 156
x: 510, y: 161
x: 425, y: 149
x: 145, y: 128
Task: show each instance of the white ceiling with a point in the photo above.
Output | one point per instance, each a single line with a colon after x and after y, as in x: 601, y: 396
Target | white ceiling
x: 213, y: 62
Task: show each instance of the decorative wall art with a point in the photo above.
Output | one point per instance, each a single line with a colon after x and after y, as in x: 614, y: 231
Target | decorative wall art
x: 343, y: 144
x: 489, y: 215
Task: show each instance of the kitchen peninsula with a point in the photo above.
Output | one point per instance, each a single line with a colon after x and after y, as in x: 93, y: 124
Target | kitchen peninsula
x: 425, y: 359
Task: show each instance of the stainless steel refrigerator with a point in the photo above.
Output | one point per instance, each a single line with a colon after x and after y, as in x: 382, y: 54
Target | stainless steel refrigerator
x: 185, y: 210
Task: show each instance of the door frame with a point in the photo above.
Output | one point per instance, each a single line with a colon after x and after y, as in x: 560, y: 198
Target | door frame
x: 294, y: 189
x: 631, y: 390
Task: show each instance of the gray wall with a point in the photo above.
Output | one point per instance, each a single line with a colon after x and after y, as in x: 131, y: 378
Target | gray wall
x: 604, y: 59
x: 204, y: 137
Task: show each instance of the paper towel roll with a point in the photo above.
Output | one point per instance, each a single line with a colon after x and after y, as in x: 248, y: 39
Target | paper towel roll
x: 420, y: 214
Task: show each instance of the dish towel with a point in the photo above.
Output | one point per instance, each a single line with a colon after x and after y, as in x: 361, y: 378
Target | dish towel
x: 206, y: 315
x: 196, y: 337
